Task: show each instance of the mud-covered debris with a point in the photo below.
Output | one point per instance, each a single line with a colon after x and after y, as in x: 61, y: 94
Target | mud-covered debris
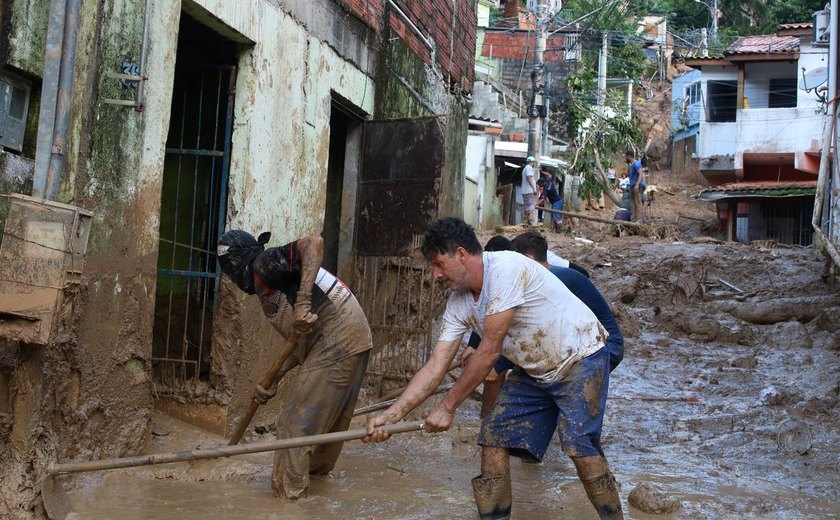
x: 653, y: 500
x: 771, y: 396
x: 749, y: 361
x: 829, y: 319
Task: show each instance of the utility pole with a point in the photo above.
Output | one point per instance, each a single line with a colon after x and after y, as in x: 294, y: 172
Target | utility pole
x: 704, y: 42
x: 602, y: 71
x: 714, y: 31
x: 547, y: 104
x: 535, y: 114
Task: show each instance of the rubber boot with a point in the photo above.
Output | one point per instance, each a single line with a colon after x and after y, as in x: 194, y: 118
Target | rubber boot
x: 492, y: 496
x: 603, y: 493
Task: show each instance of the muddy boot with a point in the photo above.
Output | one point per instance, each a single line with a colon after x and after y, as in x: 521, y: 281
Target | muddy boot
x: 492, y: 496
x: 603, y: 493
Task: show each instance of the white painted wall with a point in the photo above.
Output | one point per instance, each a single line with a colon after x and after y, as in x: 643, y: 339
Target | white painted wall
x: 479, y: 165
x: 777, y: 130
x: 282, y: 113
x: 717, y: 139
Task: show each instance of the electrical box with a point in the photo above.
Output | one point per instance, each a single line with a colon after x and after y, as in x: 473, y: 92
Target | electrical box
x: 41, y: 260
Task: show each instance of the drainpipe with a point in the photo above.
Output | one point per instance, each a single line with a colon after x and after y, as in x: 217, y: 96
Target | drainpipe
x: 49, y: 92
x: 64, y: 100
x: 430, y: 43
x: 832, y: 50
x: 141, y: 84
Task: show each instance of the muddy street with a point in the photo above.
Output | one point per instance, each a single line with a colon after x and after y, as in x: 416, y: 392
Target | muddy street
x: 725, y: 404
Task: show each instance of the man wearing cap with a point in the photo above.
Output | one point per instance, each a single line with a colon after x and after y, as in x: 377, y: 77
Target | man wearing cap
x: 529, y: 192
x: 297, y: 294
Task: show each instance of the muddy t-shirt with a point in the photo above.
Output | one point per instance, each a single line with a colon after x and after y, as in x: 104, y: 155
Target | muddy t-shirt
x: 551, y: 328
x: 341, y: 329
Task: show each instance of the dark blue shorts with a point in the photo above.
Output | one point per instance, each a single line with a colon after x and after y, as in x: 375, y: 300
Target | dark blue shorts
x: 527, y: 412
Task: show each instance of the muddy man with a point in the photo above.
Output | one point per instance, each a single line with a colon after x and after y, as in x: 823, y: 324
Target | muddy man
x: 561, y: 375
x: 295, y: 292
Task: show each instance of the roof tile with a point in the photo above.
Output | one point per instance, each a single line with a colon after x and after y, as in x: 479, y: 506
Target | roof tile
x: 764, y: 44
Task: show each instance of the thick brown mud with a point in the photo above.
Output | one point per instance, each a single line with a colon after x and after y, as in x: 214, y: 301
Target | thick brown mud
x: 726, y: 402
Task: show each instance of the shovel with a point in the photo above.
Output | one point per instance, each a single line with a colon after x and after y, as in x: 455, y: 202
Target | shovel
x: 57, y: 503
x: 269, y: 380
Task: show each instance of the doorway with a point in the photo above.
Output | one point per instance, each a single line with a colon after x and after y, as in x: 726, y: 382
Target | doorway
x: 342, y: 187
x: 193, y: 203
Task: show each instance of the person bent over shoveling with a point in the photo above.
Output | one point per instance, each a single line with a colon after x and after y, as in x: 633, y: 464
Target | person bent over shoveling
x: 522, y: 311
x: 296, y: 294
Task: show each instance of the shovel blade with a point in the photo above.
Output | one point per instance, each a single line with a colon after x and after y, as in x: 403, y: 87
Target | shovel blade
x: 56, y: 501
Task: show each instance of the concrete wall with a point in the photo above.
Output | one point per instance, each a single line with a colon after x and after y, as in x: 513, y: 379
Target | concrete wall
x: 777, y: 130
x: 481, y: 209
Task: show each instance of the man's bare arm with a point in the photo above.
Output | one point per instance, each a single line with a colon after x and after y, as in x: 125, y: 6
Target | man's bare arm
x: 481, y: 362
x: 422, y: 385
x: 311, y: 251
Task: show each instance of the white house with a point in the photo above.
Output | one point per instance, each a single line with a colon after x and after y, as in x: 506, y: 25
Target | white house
x: 759, y: 112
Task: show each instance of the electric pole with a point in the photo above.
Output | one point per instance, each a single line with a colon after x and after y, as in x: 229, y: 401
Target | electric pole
x: 713, y: 6
x: 537, y: 108
x: 602, y: 71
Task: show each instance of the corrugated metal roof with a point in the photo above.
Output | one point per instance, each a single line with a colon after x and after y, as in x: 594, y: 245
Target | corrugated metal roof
x: 793, y: 26
x: 768, y: 189
x: 764, y: 44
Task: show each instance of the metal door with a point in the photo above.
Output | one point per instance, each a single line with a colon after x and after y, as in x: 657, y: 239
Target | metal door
x: 399, y: 191
x: 192, y: 215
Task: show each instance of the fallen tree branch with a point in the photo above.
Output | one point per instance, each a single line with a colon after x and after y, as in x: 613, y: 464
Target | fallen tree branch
x: 778, y: 310
x: 633, y: 225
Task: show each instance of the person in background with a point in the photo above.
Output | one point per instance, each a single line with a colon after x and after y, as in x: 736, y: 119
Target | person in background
x: 611, y: 176
x: 549, y: 193
x: 529, y: 192
x: 636, y: 178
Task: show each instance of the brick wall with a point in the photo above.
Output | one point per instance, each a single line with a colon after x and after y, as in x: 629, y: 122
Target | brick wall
x: 520, y: 44
x: 452, y: 25
x: 369, y: 11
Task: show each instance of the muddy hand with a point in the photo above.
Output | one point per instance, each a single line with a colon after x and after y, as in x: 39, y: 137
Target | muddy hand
x: 439, y: 420
x: 375, y: 435
x: 465, y: 355
x: 304, y: 317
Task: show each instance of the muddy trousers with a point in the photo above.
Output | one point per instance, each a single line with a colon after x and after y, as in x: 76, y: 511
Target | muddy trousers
x: 635, y: 204
x: 315, y: 402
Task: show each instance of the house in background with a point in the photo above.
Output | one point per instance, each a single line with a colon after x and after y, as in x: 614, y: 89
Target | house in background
x: 757, y: 132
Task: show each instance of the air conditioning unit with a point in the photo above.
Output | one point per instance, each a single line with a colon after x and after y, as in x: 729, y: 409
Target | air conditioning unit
x: 822, y: 31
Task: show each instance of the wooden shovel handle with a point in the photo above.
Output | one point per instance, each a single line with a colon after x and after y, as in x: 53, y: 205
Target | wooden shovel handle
x: 268, y: 381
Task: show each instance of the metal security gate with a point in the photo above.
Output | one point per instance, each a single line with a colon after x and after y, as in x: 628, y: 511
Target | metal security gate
x: 399, y: 191
x: 194, y: 198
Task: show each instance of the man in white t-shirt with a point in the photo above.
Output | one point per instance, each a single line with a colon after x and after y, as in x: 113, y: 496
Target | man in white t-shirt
x: 529, y: 191
x: 524, y: 312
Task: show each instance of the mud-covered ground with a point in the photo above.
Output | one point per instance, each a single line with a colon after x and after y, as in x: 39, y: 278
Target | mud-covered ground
x: 726, y: 401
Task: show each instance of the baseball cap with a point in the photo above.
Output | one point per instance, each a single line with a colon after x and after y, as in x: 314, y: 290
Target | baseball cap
x: 530, y: 159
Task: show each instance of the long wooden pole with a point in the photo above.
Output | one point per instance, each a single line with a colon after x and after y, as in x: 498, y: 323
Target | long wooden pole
x: 225, y: 451
x: 634, y: 225
x: 268, y: 382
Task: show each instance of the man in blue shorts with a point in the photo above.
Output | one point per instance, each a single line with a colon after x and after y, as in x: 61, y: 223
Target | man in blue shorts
x: 560, y: 382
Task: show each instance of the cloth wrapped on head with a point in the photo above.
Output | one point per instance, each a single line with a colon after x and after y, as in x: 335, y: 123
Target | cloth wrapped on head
x: 236, y: 252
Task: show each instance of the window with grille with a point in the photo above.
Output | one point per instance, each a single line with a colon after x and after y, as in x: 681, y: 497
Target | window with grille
x: 692, y: 93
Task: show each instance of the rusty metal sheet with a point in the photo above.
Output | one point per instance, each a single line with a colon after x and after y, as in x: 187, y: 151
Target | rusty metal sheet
x: 400, y: 183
